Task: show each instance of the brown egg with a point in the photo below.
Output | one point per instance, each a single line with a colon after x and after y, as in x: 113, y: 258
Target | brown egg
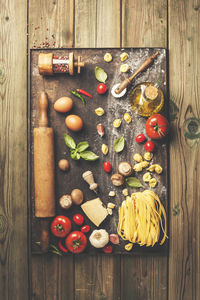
x: 63, y: 164
x: 74, y: 122
x: 63, y: 104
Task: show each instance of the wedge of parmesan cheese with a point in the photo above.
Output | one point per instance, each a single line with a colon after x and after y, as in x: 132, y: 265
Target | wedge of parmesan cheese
x: 95, y: 211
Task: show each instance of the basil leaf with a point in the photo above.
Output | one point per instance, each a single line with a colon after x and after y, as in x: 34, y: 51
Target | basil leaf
x: 82, y: 146
x: 69, y: 141
x: 119, y: 144
x: 100, y: 74
x: 75, y: 155
x: 89, y: 155
x: 133, y: 182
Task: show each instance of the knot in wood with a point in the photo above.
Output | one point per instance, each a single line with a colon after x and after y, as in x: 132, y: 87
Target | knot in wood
x: 192, y: 128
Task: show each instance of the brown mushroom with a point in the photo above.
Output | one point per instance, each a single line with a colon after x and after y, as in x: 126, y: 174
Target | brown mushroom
x: 124, y: 168
x: 65, y: 201
x: 117, y: 179
x: 77, y: 196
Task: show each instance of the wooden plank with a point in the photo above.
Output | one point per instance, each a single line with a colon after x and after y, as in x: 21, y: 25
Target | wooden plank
x: 52, y: 278
x: 58, y: 17
x: 97, y: 277
x: 184, y: 259
x: 144, y: 23
x: 145, y: 278
x: 108, y: 23
x: 51, y: 23
x: 85, y: 23
x: 102, y: 272
x: 97, y: 23
x: 13, y: 151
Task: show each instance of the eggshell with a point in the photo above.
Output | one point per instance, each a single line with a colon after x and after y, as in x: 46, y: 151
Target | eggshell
x: 74, y: 122
x: 63, y: 104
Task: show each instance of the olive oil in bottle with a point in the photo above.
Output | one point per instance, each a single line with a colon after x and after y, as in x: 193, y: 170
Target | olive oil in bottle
x: 147, y: 99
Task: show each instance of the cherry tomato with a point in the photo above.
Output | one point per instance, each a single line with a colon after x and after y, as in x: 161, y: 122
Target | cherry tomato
x: 107, y: 166
x: 107, y: 249
x: 101, y: 88
x: 85, y: 228
x: 62, y: 248
x: 149, y: 146
x: 157, y: 127
x: 76, y: 242
x: 78, y: 219
x: 61, y: 226
x: 140, y: 138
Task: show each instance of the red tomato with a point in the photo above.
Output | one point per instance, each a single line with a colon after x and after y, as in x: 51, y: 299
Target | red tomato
x: 107, y: 249
x: 107, y: 166
x: 76, y: 242
x: 140, y: 138
x: 78, y: 219
x: 101, y: 88
x: 85, y: 228
x: 61, y: 226
x: 157, y: 127
x: 149, y: 146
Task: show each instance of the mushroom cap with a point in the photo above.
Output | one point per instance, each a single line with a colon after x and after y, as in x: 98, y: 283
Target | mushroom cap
x: 125, y: 168
x: 117, y: 179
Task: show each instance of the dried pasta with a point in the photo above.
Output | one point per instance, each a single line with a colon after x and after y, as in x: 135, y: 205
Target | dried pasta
x: 140, y: 219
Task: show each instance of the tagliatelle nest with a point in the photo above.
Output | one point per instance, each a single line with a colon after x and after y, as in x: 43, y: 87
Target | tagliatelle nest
x: 140, y: 219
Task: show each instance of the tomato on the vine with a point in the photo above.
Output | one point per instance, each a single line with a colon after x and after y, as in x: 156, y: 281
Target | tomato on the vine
x: 149, y: 146
x: 107, y: 166
x: 78, y: 219
x: 85, y: 228
x: 101, y: 88
x: 76, y: 242
x: 140, y: 138
x: 157, y: 127
x: 107, y: 249
x: 61, y: 226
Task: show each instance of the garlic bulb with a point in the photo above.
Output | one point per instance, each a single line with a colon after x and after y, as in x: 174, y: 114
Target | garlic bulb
x: 99, y: 238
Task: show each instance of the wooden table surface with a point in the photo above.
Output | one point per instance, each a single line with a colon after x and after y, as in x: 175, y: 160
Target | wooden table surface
x: 173, y: 24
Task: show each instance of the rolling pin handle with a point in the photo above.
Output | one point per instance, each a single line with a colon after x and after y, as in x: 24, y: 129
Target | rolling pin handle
x: 43, y: 104
x: 154, y: 55
x: 44, y: 240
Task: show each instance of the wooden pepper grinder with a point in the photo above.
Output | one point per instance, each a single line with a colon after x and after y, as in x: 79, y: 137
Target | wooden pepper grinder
x: 89, y: 178
x: 50, y: 64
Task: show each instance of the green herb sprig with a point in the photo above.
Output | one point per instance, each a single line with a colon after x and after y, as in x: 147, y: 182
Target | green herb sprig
x: 79, y: 151
x: 52, y: 248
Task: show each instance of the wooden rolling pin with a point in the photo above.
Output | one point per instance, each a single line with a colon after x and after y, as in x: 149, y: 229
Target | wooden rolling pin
x: 127, y: 81
x: 44, y: 172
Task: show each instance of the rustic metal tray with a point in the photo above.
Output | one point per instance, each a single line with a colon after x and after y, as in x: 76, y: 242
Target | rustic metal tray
x: 61, y: 85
